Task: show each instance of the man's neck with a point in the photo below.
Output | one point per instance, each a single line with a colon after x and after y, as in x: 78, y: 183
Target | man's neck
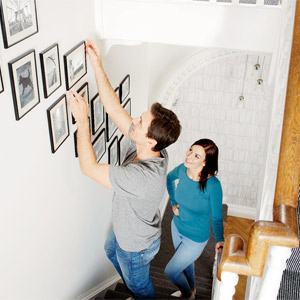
x: 144, y: 153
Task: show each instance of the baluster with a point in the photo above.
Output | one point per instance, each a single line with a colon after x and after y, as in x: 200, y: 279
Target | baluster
x: 227, y: 287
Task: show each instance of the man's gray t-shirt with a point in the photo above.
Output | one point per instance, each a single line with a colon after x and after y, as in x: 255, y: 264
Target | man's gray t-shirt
x: 139, y: 187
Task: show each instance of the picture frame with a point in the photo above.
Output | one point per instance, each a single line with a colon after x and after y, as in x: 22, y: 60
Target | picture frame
x: 124, y: 88
x: 50, y: 66
x: 58, y: 123
x: 113, y: 152
x: 75, y: 64
x: 127, y: 106
x: 123, y: 144
x: 75, y: 142
x: 1, y: 83
x: 83, y: 91
x: 18, y: 20
x: 97, y: 113
x: 24, y: 83
x: 99, y: 145
x: 111, y: 127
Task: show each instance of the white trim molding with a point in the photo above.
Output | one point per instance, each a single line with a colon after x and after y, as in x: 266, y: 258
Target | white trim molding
x: 241, y: 211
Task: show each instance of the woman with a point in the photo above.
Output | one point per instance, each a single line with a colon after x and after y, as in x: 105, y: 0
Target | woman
x: 196, y: 199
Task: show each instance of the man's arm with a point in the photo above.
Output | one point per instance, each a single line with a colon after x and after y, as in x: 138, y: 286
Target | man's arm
x: 110, y: 100
x: 86, y: 154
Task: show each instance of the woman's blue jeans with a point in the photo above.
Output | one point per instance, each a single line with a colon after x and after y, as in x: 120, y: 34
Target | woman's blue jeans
x: 180, y: 269
x: 133, y: 267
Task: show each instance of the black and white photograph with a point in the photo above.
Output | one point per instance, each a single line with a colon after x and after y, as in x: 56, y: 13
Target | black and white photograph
x: 110, y: 127
x: 58, y: 122
x: 18, y: 20
x: 83, y: 91
x: 24, y: 83
x: 124, y: 88
x: 50, y: 70
x: 97, y: 113
x: 123, y: 145
x: 99, y: 145
x: 113, y: 155
x: 127, y: 106
x: 75, y: 64
x: 1, y: 83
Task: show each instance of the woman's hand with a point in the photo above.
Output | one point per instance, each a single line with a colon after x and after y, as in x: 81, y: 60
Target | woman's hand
x: 176, y: 209
x: 219, y: 247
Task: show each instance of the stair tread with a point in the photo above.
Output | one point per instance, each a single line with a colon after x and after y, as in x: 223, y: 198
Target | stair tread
x: 110, y: 294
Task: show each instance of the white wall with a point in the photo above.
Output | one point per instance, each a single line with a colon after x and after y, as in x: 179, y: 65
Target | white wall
x: 54, y: 220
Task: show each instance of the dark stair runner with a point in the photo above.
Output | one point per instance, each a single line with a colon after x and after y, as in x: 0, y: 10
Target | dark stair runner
x: 163, y: 287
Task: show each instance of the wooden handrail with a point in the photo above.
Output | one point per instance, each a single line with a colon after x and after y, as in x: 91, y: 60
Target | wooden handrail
x: 283, y: 230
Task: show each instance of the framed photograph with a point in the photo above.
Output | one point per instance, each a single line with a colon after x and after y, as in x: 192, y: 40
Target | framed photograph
x: 50, y: 70
x: 99, y: 145
x: 111, y: 127
x: 75, y: 143
x: 75, y: 64
x: 123, y: 144
x: 58, y: 122
x: 113, y: 155
x: 18, y: 20
x: 97, y: 113
x: 127, y: 106
x: 1, y: 83
x: 124, y: 88
x: 24, y: 83
x: 83, y: 91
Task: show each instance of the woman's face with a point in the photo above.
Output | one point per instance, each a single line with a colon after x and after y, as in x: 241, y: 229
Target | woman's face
x: 195, y: 158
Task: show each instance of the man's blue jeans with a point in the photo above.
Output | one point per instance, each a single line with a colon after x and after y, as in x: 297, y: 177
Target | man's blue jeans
x: 180, y: 269
x: 133, y: 267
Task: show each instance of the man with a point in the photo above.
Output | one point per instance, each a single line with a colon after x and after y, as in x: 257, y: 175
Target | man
x: 139, y: 184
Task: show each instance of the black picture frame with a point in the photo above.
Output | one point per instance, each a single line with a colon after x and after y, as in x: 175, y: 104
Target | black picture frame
x: 24, y: 83
x: 124, y: 88
x: 75, y: 142
x: 97, y: 113
x: 127, y: 106
x: 18, y: 21
x: 75, y: 64
x: 111, y: 127
x: 1, y: 83
x: 58, y: 124
x: 123, y: 144
x: 99, y: 145
x: 50, y: 66
x: 83, y: 91
x: 113, y: 152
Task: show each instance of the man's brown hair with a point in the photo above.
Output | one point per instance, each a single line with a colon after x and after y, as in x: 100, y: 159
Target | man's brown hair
x: 165, y: 127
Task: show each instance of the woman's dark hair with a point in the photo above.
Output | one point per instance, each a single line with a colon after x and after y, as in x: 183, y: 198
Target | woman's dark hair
x: 165, y: 127
x: 211, y: 161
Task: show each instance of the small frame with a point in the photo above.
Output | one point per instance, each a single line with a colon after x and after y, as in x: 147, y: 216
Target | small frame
x: 50, y: 70
x: 111, y: 127
x: 18, y: 20
x: 123, y: 144
x: 127, y: 106
x: 124, y: 88
x: 75, y: 64
x: 24, y: 83
x: 99, y: 145
x: 1, y: 83
x: 113, y: 152
x: 58, y: 123
x: 97, y: 113
x: 83, y: 91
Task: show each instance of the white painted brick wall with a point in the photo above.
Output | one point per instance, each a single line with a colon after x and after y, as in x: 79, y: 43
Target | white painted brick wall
x: 208, y: 107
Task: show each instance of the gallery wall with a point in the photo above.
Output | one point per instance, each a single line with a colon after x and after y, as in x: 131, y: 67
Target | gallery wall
x: 54, y: 220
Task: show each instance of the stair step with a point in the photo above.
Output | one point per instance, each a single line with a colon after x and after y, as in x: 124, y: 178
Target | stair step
x: 110, y: 294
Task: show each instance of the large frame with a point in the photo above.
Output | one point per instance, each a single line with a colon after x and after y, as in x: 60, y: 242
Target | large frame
x: 113, y: 152
x: 58, y: 122
x: 1, y: 83
x: 124, y: 88
x: 97, y: 113
x: 18, y: 20
x: 24, y: 83
x: 99, y: 145
x: 83, y: 91
x: 50, y: 70
x: 123, y: 144
x: 75, y: 64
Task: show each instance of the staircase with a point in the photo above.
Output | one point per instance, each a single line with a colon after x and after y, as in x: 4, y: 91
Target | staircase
x: 162, y: 286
